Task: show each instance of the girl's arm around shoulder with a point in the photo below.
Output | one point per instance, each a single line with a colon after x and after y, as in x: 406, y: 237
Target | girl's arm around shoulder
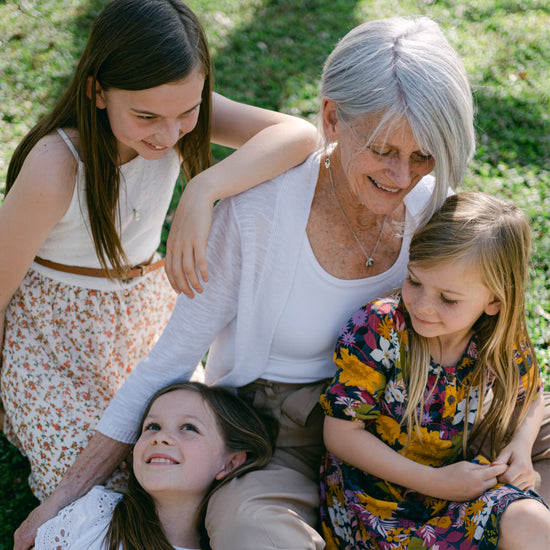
x: 268, y: 143
x: 349, y: 441
x: 38, y: 199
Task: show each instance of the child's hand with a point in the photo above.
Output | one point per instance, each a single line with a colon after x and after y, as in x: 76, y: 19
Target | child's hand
x: 464, y: 481
x: 520, y: 470
x: 186, y: 244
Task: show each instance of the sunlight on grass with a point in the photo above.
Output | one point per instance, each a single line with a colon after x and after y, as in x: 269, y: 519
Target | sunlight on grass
x: 270, y: 53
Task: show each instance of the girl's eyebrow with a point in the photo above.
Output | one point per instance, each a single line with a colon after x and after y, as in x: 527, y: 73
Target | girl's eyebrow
x: 444, y: 290
x: 149, y: 113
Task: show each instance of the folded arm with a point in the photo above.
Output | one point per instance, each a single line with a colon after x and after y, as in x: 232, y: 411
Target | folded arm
x: 459, y: 482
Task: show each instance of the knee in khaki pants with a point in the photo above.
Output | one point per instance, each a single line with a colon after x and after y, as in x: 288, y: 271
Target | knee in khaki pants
x: 274, y: 508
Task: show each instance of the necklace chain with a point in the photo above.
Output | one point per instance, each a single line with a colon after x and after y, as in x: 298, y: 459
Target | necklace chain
x: 370, y: 257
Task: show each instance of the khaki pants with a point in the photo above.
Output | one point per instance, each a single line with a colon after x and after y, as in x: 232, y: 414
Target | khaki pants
x: 277, y: 507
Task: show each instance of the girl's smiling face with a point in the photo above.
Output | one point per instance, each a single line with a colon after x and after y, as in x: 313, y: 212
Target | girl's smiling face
x: 445, y: 301
x: 181, y: 448
x: 150, y: 122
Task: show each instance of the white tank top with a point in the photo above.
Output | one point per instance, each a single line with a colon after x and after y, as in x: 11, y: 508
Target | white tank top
x: 146, y: 189
x: 317, y: 307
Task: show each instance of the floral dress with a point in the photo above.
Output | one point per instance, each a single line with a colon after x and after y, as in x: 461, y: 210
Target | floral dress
x: 361, y: 511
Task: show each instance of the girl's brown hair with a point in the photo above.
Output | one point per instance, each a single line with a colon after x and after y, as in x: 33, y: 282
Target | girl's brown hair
x: 133, y: 45
x: 135, y: 524
x: 494, y: 238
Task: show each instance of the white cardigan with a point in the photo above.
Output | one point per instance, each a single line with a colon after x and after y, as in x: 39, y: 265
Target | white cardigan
x: 252, y: 257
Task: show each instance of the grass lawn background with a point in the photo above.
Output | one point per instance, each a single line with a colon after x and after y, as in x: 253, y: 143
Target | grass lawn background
x: 270, y: 53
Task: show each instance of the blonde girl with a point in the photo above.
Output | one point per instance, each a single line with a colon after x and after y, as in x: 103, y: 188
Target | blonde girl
x: 416, y: 373
x: 194, y: 439
x: 83, y: 295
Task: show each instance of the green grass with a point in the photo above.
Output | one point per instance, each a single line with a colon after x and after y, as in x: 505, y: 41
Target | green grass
x: 270, y: 53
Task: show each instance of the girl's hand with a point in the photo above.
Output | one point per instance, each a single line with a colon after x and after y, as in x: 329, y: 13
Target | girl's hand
x: 464, y: 481
x: 186, y: 244
x: 520, y: 470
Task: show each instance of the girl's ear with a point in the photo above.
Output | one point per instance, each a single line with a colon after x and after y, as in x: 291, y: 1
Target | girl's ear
x: 492, y: 308
x: 330, y: 119
x: 232, y: 461
x: 99, y: 96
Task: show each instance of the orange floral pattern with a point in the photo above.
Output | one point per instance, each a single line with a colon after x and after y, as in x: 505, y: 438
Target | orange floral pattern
x: 66, y: 352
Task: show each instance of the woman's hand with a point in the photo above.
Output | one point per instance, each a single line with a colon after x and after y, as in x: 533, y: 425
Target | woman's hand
x: 186, y: 244
x: 24, y: 536
x: 464, y: 481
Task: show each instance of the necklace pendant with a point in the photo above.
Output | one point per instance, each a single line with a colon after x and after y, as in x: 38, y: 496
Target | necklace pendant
x: 369, y: 262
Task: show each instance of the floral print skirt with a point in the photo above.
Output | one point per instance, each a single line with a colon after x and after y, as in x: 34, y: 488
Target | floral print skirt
x: 66, y: 352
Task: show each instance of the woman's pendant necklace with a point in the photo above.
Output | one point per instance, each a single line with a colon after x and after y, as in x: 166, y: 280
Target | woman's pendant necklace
x: 370, y: 257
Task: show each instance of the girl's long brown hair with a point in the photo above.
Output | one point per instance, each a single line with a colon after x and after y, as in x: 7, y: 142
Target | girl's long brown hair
x: 135, y: 524
x: 494, y: 238
x: 133, y: 45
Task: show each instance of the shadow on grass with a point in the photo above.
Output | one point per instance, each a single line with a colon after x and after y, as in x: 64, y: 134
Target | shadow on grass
x: 277, y: 59
x: 17, y: 500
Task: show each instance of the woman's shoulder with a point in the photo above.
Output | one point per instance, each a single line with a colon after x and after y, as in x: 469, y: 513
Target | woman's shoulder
x: 298, y: 181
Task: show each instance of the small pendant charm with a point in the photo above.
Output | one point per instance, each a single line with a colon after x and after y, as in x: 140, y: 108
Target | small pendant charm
x: 327, y: 163
x: 369, y: 262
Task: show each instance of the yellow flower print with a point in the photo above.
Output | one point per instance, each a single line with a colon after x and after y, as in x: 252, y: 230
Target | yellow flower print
x: 389, y: 430
x: 385, y: 328
x: 470, y: 528
x: 444, y: 521
x: 430, y: 449
x: 326, y: 404
x: 380, y: 508
x: 475, y: 507
x: 356, y: 373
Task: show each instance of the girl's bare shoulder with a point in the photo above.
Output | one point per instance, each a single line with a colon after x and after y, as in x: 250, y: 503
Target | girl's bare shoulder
x: 51, y: 167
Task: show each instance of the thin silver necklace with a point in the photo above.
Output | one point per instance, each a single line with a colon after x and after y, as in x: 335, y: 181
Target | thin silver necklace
x: 370, y: 257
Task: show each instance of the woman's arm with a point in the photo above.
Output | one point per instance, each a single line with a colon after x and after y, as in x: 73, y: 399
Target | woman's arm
x: 92, y: 467
x: 517, y: 454
x: 268, y: 143
x: 459, y: 482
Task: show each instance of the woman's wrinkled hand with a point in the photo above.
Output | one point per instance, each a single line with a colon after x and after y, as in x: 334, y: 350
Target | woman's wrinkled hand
x: 24, y: 536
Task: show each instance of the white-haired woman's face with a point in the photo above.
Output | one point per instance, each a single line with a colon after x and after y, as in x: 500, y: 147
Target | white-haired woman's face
x: 381, y: 174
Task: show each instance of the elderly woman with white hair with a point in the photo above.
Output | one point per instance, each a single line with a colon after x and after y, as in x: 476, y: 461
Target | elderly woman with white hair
x: 290, y: 261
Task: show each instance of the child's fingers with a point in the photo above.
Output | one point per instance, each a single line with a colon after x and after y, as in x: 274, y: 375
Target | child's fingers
x: 176, y: 275
x: 199, y: 250
x: 189, y: 271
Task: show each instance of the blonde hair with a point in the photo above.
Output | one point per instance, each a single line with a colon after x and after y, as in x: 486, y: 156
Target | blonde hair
x: 404, y: 69
x: 492, y: 236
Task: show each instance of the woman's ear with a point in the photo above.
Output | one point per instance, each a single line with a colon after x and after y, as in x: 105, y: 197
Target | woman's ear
x: 492, y: 308
x: 233, y: 460
x: 99, y: 95
x: 330, y: 119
